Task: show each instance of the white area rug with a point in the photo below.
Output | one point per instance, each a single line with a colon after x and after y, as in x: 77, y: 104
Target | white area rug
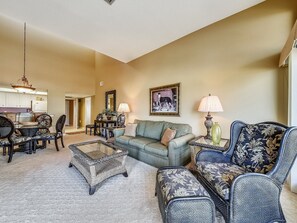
x: 42, y: 188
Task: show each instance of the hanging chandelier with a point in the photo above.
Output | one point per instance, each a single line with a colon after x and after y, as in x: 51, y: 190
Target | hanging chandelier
x: 23, y: 84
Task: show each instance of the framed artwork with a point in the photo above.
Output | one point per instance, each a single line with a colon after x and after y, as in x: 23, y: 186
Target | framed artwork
x: 164, y: 100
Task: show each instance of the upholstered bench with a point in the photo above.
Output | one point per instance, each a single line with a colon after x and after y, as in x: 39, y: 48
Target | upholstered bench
x: 182, y: 198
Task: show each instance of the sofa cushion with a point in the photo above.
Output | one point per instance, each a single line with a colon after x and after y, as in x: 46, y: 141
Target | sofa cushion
x: 257, y: 147
x: 156, y: 148
x: 168, y: 135
x: 140, y: 127
x: 123, y: 139
x: 153, y: 129
x: 140, y: 142
x: 181, y: 129
x: 220, y: 175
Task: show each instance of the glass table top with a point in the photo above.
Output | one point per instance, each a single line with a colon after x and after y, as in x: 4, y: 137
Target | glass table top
x: 97, y: 150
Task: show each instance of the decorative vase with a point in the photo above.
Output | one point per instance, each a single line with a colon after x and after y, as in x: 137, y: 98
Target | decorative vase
x: 216, y: 133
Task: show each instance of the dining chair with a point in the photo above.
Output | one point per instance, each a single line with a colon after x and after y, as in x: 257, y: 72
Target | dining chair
x: 53, y: 136
x: 8, y: 139
x: 44, y: 120
x: 92, y: 126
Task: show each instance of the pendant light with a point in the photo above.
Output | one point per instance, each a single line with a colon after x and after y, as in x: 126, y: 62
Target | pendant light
x: 23, y: 84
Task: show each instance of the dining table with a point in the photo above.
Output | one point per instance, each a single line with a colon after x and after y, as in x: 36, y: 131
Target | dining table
x: 28, y: 129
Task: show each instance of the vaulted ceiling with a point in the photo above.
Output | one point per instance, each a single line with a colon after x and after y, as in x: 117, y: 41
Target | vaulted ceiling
x: 125, y: 30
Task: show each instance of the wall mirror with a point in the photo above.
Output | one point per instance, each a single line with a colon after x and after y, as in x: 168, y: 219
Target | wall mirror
x: 110, y: 100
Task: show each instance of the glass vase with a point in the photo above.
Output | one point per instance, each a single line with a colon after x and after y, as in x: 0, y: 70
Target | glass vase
x: 216, y: 133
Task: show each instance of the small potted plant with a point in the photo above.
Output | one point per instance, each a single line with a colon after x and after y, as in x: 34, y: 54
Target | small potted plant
x: 109, y: 114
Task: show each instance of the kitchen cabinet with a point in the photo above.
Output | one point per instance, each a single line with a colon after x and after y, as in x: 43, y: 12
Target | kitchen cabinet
x: 12, y: 100
x: 25, y: 101
x: 19, y: 100
x: 15, y: 100
x: 2, y: 99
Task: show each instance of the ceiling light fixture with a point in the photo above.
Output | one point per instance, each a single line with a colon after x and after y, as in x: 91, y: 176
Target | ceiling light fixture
x: 109, y: 1
x: 23, y: 84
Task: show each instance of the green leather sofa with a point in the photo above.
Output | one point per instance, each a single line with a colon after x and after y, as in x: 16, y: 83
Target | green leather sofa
x: 146, y: 145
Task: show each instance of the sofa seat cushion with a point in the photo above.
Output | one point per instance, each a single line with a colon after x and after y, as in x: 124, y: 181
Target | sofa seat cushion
x: 220, y: 175
x: 140, y: 142
x: 156, y: 148
x: 179, y: 182
x: 257, y: 147
x: 124, y: 139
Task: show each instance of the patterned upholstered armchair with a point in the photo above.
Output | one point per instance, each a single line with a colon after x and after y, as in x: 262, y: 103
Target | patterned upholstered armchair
x: 245, y: 181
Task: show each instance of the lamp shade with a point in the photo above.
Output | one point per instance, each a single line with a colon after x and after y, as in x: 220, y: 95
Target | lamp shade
x: 123, y: 107
x: 210, y: 104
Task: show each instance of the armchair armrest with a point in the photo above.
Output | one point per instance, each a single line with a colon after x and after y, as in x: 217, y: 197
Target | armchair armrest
x: 210, y: 155
x: 258, y: 194
x: 118, y: 132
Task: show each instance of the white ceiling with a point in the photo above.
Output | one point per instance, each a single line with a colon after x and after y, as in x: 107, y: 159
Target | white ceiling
x: 125, y: 30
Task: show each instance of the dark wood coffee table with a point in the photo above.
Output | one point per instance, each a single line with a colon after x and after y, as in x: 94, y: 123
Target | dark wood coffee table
x: 98, y: 161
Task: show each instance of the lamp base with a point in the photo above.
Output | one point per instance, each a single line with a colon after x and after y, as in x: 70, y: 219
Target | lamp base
x: 208, y: 124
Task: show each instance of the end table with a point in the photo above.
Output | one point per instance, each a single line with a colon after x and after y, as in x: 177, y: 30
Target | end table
x: 200, y: 142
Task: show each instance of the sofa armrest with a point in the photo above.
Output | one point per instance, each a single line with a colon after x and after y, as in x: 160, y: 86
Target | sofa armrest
x: 180, y: 141
x: 257, y: 194
x: 210, y: 155
x: 118, y: 132
x: 179, y: 150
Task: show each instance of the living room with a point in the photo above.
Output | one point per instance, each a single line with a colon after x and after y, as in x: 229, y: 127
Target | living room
x: 236, y: 59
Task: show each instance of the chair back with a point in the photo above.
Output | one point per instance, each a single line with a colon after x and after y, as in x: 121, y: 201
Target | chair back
x: 121, y: 120
x: 6, y: 128
x: 60, y: 123
x: 282, y: 149
x: 44, y: 120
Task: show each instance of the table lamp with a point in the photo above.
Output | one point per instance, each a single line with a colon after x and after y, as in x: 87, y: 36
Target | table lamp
x: 123, y: 108
x: 209, y: 104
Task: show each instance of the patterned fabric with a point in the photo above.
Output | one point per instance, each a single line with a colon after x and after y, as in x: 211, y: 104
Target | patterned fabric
x: 257, y: 147
x: 16, y: 140
x: 220, y: 175
x: 179, y: 183
x: 47, y: 136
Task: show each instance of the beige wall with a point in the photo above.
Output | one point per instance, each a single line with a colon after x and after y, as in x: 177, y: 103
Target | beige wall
x: 236, y: 59
x: 52, y: 64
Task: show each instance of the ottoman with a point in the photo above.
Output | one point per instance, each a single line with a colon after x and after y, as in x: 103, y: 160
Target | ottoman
x: 182, y: 198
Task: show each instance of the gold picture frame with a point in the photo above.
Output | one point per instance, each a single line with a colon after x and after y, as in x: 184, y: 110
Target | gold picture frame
x: 164, y: 100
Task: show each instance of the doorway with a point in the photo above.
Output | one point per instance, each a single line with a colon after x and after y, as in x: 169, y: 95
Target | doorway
x: 78, y: 114
x: 69, y: 111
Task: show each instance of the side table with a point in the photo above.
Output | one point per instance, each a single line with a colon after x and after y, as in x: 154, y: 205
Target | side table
x: 200, y: 143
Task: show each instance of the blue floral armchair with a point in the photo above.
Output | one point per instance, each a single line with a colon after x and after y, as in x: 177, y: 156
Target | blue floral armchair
x: 246, y: 180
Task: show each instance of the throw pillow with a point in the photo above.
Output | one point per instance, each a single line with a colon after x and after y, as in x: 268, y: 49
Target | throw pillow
x: 168, y: 135
x: 130, y: 130
x: 257, y: 147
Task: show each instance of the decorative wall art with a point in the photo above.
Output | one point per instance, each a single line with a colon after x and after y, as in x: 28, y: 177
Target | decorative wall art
x: 164, y: 100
